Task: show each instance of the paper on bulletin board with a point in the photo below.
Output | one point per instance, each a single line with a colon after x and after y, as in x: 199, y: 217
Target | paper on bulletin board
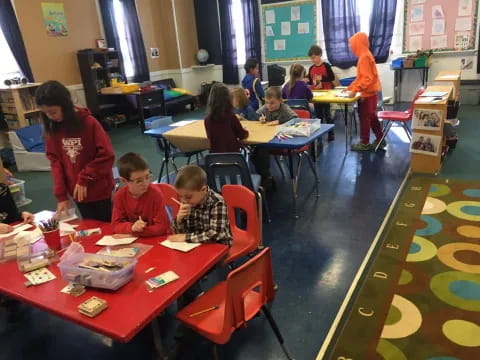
x: 437, y: 12
x: 269, y: 31
x: 304, y: 28
x: 462, y: 40
x: 417, y: 13
x: 416, y: 2
x: 438, y: 27
x: 463, y: 24
x: 417, y: 28
x: 279, y: 45
x: 54, y: 19
x: 438, y: 42
x: 415, y: 43
x: 465, y: 7
x: 286, y: 30
x: 295, y: 13
x: 270, y: 16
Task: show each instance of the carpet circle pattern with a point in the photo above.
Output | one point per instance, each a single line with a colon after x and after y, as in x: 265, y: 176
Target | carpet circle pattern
x: 448, y: 288
x: 466, y: 210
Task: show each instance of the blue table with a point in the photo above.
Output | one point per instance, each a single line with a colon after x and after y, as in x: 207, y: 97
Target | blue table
x: 291, y: 146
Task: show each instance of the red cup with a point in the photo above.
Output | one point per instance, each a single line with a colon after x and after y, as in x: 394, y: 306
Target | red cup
x: 52, y: 238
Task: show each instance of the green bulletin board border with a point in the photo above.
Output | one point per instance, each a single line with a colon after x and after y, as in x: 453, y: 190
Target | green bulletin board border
x: 288, y: 4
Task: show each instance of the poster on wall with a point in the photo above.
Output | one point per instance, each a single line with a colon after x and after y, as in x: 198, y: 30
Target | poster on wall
x: 54, y: 19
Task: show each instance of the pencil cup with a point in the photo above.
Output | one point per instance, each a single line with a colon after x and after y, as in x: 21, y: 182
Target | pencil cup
x: 52, y: 238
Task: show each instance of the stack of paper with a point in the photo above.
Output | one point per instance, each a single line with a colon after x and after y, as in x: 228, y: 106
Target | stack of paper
x: 180, y: 246
x: 16, y: 230
x: 111, y: 241
x: 66, y: 229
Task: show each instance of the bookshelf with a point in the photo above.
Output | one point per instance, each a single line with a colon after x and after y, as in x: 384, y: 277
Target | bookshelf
x: 17, y: 104
x: 98, y: 69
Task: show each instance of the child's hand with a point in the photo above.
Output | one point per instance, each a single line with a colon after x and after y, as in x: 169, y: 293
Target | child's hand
x: 272, y: 123
x: 27, y: 217
x: 62, y: 208
x: 139, y: 225
x: 183, y: 211
x: 351, y: 94
x: 177, y: 238
x: 5, y: 229
x: 262, y: 119
x: 80, y: 193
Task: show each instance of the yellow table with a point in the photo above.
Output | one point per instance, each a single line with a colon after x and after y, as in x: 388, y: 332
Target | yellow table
x: 332, y: 97
x: 193, y: 137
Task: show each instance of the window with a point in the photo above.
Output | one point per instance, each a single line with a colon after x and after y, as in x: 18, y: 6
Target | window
x: 123, y: 38
x: 237, y: 16
x: 8, y: 65
x: 365, y: 12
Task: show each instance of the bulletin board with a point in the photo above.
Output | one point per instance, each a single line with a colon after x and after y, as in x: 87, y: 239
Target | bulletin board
x: 289, y: 29
x: 440, y: 25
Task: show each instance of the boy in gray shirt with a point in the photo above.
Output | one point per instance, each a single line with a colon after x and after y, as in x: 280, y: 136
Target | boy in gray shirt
x: 275, y: 112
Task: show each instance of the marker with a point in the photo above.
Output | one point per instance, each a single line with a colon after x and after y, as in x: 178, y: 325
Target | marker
x: 178, y: 202
x: 204, y: 311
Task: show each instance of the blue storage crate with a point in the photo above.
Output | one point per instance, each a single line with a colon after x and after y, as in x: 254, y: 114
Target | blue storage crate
x: 397, y: 63
x: 164, y: 120
x: 347, y: 81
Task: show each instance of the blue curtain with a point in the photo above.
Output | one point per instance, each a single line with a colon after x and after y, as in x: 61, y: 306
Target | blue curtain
x: 133, y: 34
x: 11, y: 31
x: 381, y: 28
x: 251, y: 25
x: 208, y: 29
x: 229, y: 46
x: 340, y: 22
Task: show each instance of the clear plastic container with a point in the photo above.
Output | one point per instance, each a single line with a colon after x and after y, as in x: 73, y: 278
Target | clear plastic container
x: 111, y: 280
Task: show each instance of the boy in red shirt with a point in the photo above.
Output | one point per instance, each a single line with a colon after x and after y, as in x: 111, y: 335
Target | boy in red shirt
x: 138, y: 207
x: 321, y: 77
x: 368, y: 84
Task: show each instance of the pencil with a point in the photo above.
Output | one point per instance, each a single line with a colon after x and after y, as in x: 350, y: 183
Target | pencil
x: 204, y: 311
x: 178, y: 202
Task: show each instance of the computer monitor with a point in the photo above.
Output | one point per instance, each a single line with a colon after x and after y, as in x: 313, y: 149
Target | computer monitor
x: 276, y: 75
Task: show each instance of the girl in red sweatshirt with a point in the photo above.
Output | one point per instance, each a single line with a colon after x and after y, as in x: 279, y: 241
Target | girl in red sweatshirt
x: 80, y: 153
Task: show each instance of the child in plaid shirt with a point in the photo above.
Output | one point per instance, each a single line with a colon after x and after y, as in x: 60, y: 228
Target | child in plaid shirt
x: 202, y: 217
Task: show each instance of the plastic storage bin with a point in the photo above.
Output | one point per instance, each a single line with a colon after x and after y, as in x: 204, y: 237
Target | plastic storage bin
x: 18, y: 192
x: 347, y: 81
x: 157, y: 119
x: 111, y: 280
x: 397, y: 63
x: 421, y: 62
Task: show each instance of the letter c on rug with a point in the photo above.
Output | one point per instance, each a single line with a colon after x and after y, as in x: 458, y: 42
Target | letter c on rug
x: 343, y: 358
x: 391, y: 246
x: 363, y: 313
x: 380, y: 275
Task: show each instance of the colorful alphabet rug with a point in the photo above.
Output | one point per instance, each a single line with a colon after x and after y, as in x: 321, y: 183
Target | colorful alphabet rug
x: 420, y: 297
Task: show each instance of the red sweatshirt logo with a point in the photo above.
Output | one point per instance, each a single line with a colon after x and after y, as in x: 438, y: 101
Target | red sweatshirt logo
x: 72, y: 147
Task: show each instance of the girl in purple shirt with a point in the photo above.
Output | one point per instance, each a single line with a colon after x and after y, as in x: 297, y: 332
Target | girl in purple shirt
x: 297, y: 88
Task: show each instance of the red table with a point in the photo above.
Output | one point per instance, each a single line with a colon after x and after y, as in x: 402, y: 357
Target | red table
x: 131, y: 307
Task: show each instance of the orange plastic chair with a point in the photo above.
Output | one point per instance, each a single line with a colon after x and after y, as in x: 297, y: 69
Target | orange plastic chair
x: 169, y: 192
x: 402, y: 117
x: 248, y: 240
x: 233, y: 302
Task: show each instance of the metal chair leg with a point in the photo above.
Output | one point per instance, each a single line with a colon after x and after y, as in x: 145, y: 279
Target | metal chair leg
x: 276, y: 330
x: 407, y: 131
x: 261, y: 192
x: 279, y: 164
x: 188, y: 160
x: 314, y: 169
x: 385, y: 132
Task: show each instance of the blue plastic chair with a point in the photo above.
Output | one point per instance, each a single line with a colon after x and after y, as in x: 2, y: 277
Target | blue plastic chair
x: 170, y: 151
x: 232, y: 169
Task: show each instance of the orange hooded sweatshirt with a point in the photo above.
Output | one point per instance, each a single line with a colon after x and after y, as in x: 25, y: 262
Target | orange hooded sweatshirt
x: 367, y: 81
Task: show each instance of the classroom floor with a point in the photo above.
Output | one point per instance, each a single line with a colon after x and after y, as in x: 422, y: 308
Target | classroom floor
x: 315, y: 257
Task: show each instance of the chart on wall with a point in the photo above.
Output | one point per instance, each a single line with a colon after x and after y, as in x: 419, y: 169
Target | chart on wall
x: 289, y: 29
x: 440, y: 25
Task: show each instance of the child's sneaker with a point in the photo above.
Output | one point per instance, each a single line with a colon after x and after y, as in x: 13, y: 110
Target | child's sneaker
x: 361, y: 147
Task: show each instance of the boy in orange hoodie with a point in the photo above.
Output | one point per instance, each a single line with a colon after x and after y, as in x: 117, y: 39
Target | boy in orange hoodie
x: 368, y: 84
